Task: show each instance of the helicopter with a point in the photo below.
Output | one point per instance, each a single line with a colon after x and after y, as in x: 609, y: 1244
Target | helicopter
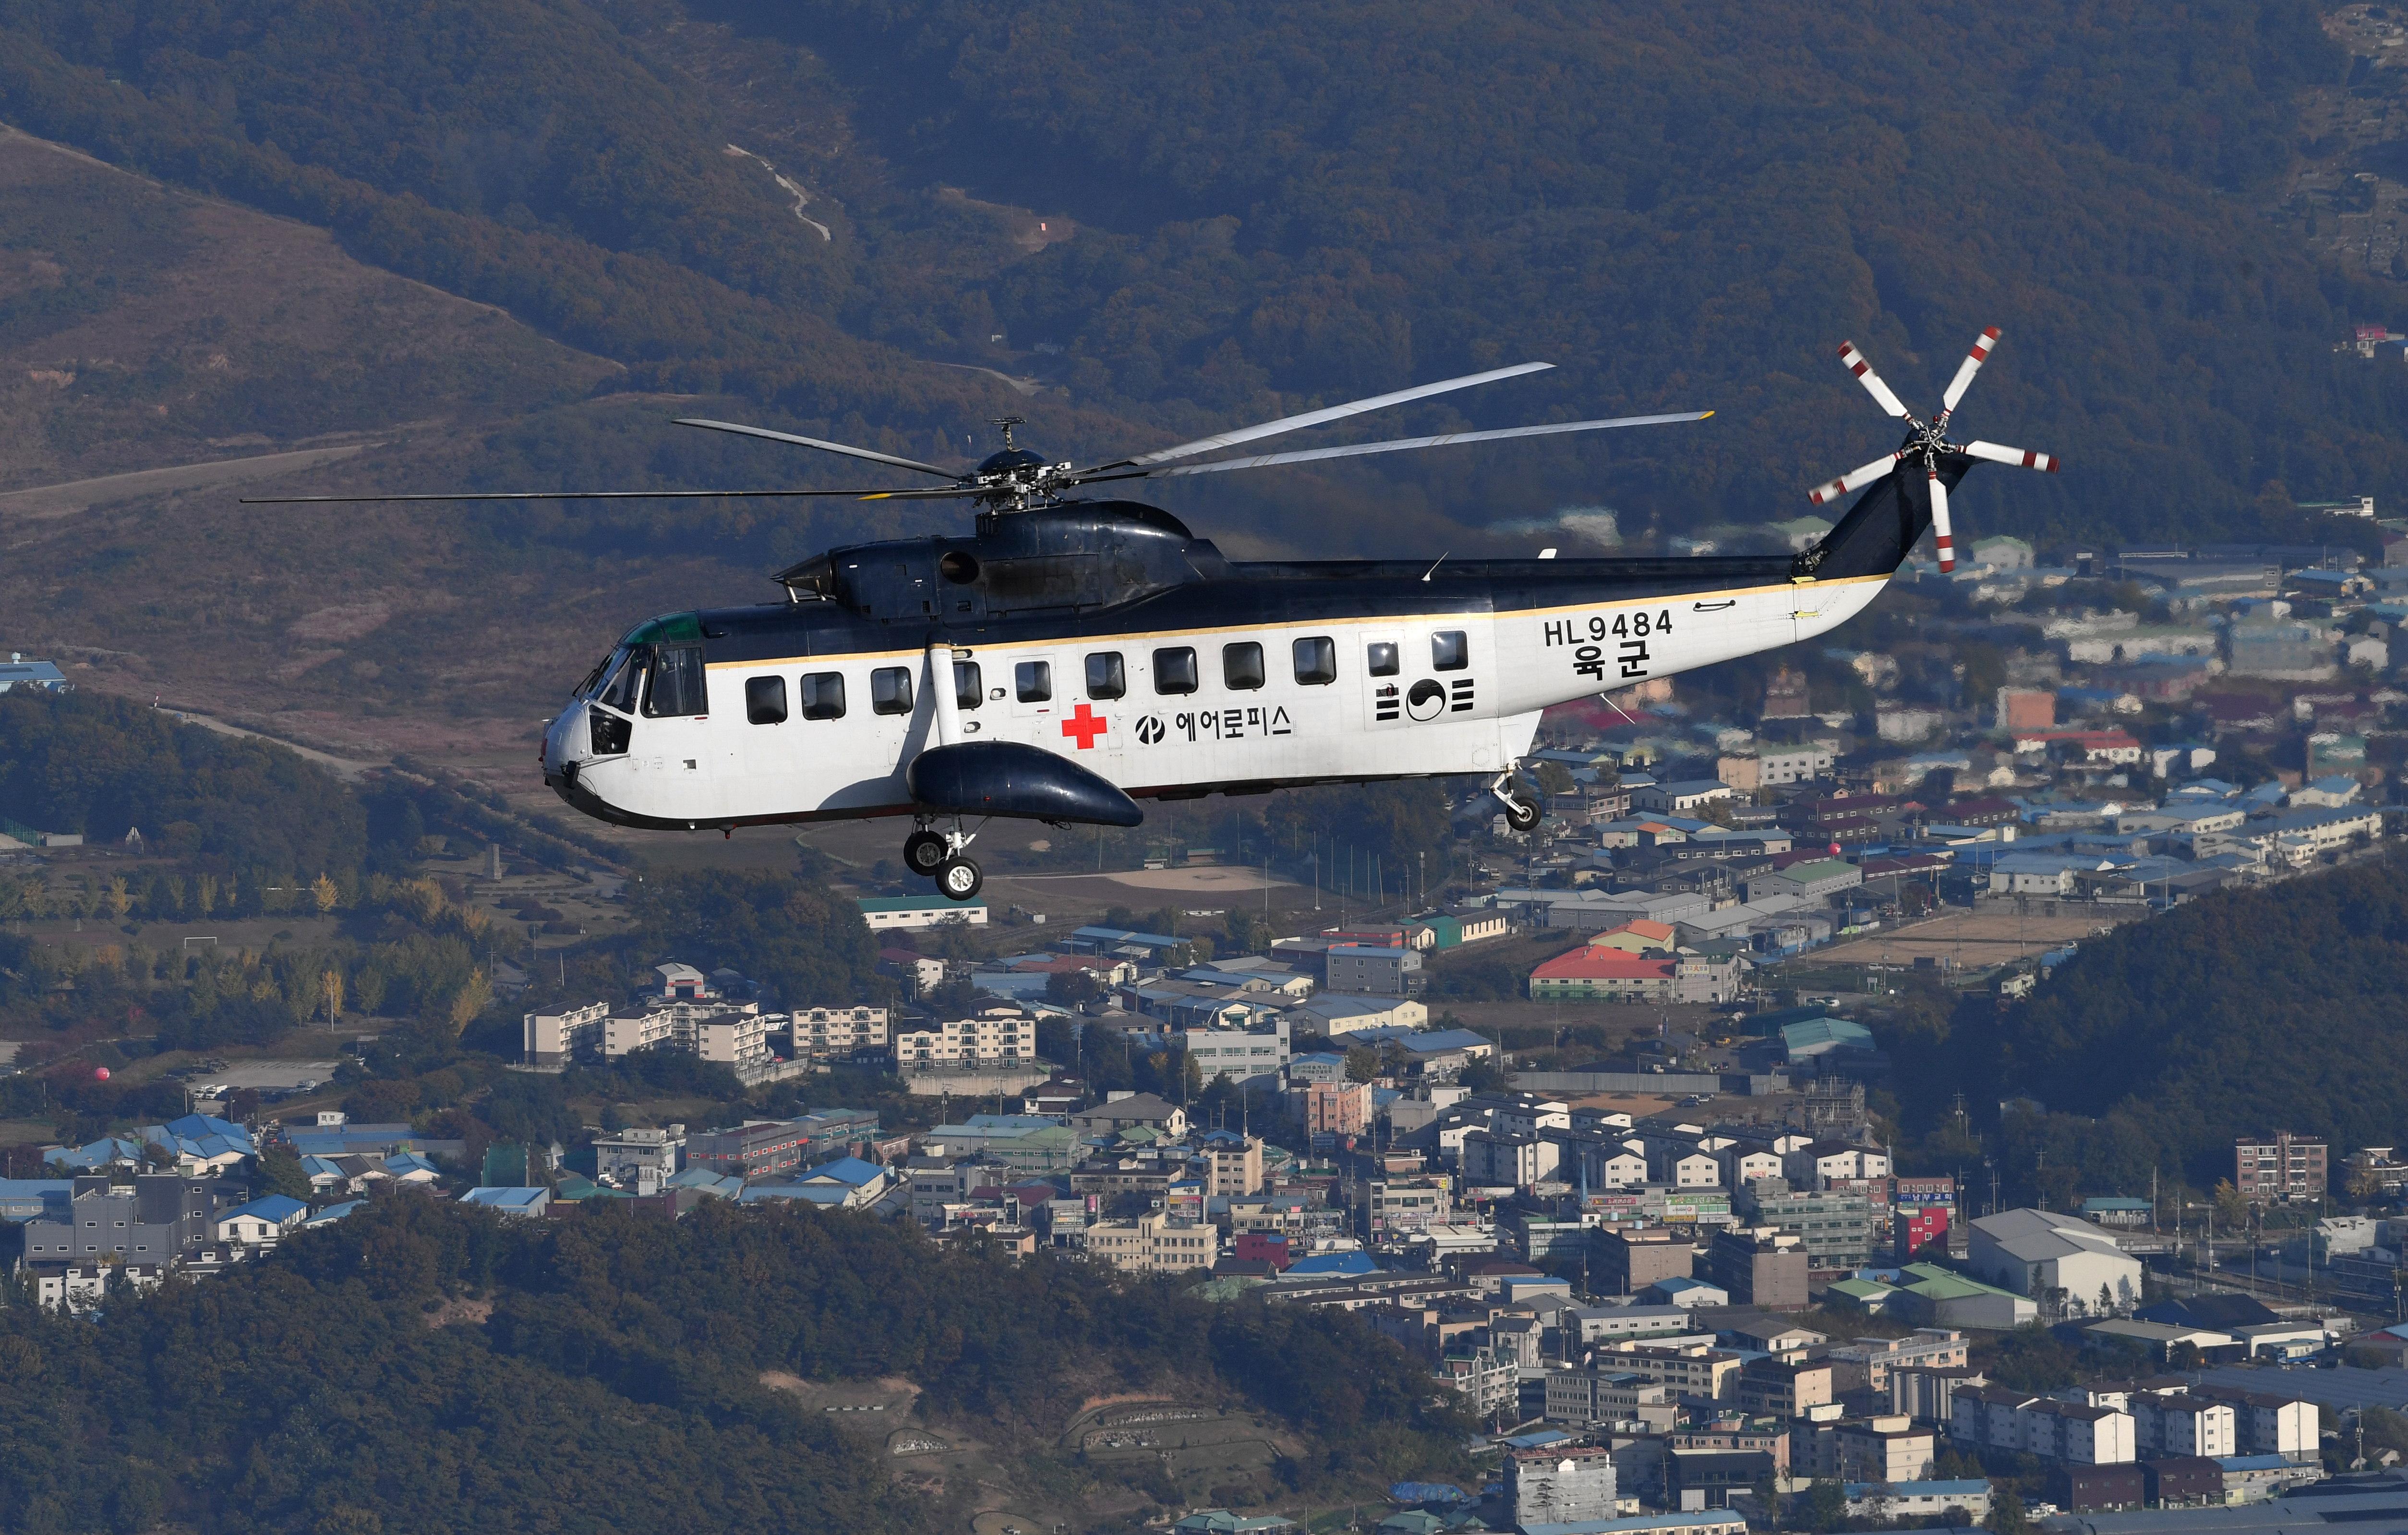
x: 1073, y: 658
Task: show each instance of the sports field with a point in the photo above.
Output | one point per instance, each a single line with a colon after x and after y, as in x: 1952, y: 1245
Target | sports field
x: 1976, y: 939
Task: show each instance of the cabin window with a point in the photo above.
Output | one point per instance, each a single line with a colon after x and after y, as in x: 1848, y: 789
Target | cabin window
x: 1316, y: 661
x: 1241, y: 666
x: 1449, y: 651
x: 1380, y: 657
x: 765, y: 701
x: 1106, y: 677
x: 1174, y: 671
x: 969, y: 686
x: 677, y: 687
x: 890, y: 690
x: 1033, y: 681
x: 823, y: 695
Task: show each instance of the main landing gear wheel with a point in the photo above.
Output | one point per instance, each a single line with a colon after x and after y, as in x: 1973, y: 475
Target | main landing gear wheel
x: 1520, y: 814
x: 958, y: 879
x: 925, y: 852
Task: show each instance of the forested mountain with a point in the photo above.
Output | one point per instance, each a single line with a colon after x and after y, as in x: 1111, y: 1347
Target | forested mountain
x: 1271, y: 206
x: 2247, y: 1012
x: 422, y: 1367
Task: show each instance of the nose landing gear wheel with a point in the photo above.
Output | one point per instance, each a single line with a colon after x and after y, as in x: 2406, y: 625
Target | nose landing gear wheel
x: 958, y: 879
x: 1520, y: 815
x: 925, y: 852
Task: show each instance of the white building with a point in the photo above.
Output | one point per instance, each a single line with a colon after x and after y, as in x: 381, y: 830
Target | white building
x: 1154, y: 1243
x: 2036, y: 1252
x: 828, y: 1031
x: 1000, y: 1034
x: 920, y: 911
x: 551, y: 1038
x: 1561, y: 1487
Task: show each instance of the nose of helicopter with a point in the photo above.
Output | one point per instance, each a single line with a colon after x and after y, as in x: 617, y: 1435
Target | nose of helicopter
x: 563, y: 745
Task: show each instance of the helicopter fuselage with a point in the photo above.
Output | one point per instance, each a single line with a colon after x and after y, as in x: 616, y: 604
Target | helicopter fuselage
x: 1107, y: 633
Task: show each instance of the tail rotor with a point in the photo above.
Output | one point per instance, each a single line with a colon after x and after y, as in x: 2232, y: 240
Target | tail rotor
x: 1927, y: 443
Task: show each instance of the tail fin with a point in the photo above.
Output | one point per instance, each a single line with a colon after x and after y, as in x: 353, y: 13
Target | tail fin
x: 1882, y: 529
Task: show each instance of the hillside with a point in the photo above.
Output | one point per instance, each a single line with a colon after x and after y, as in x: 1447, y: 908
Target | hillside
x: 422, y: 1367
x: 2247, y: 1012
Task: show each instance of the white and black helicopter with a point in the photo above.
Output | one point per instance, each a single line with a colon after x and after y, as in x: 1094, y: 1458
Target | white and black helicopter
x: 1073, y: 658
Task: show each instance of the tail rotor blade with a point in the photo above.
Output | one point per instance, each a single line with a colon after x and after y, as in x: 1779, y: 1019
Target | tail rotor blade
x: 1856, y: 479
x: 1984, y: 345
x: 2021, y: 457
x: 1854, y: 361
x: 1941, y: 534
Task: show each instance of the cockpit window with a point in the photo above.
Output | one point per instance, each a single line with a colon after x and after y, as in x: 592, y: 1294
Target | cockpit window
x: 677, y: 687
x: 585, y: 688
x: 625, y: 681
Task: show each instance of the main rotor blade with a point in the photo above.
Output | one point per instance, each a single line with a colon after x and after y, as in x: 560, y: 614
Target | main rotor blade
x: 526, y: 496
x: 1984, y: 345
x: 2021, y: 457
x: 1444, y: 440
x: 1941, y: 534
x: 1335, y: 412
x: 947, y: 493
x: 1854, y: 361
x: 815, y: 442
x: 1856, y: 479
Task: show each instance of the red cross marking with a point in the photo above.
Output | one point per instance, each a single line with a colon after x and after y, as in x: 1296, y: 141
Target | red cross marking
x: 1084, y: 726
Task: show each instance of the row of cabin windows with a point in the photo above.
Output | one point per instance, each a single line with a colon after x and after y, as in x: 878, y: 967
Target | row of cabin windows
x: 1175, y: 672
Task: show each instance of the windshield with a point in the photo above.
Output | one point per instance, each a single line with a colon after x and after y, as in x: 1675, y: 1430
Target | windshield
x: 626, y: 673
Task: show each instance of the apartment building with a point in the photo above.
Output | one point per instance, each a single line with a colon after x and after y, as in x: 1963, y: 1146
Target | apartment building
x: 1629, y: 1260
x: 2268, y: 1169
x: 1156, y: 1243
x: 1925, y: 1348
x: 992, y: 1038
x: 1232, y: 1164
x: 554, y: 1038
x: 1607, y: 1394
x: 1692, y: 1372
x: 837, y: 1031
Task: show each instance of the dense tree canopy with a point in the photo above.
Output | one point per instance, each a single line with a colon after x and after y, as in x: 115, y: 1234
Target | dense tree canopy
x: 617, y: 1384
x: 2246, y: 1013
x: 85, y: 762
x: 1680, y: 206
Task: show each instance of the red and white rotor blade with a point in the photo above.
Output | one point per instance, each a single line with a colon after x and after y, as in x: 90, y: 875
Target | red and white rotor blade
x: 1854, y: 361
x: 1940, y: 535
x: 2024, y: 457
x: 1984, y: 345
x: 1856, y: 479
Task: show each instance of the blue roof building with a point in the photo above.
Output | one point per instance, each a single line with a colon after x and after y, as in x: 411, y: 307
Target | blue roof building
x: 332, y: 1214
x: 1817, y: 1036
x: 25, y: 1199
x: 509, y: 1201
x: 1341, y: 1264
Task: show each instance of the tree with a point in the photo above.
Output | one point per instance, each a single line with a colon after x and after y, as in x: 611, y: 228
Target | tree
x: 1554, y: 779
x: 469, y: 1001
x: 323, y: 894
x: 1826, y: 1506
x: 2231, y: 1205
x: 279, y: 1172
x: 2006, y: 1515
x: 1362, y: 1063
x: 1073, y: 988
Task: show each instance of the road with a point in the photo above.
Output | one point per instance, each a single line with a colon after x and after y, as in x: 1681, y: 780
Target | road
x: 65, y: 500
